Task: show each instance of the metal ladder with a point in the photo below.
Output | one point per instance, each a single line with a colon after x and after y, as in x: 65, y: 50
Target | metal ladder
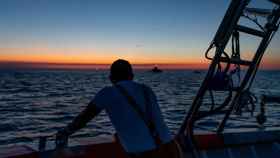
x: 218, y: 77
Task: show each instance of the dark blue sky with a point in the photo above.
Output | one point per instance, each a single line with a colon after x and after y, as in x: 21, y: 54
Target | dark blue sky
x: 145, y: 28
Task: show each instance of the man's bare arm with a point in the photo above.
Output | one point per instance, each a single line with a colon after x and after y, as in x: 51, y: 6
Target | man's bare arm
x: 82, y: 119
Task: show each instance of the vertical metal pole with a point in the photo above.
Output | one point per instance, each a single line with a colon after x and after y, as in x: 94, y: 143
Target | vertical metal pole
x: 42, y: 143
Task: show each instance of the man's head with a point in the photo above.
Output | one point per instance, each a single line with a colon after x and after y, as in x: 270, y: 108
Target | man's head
x: 121, y: 70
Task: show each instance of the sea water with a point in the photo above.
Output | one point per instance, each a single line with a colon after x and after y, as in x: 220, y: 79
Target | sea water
x: 36, y: 103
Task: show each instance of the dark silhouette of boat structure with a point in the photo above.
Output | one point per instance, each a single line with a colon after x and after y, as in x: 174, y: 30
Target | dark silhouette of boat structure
x: 156, y: 70
x: 219, y: 142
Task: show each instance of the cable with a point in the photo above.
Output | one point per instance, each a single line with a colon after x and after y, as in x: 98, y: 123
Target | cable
x: 254, y: 21
x: 208, y: 49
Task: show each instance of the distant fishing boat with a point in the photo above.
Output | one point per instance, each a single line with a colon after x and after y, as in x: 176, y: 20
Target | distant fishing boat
x: 156, y: 70
x: 218, y: 142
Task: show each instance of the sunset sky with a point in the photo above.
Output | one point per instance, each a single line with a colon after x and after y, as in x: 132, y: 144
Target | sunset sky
x: 100, y: 31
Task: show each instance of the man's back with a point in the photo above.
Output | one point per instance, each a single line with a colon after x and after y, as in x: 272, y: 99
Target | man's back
x: 133, y: 133
x: 131, y: 107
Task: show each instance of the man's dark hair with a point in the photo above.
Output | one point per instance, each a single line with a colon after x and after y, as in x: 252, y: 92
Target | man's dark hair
x: 121, y: 70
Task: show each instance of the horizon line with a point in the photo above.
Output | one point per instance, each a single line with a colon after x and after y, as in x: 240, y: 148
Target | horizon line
x: 91, y: 66
x: 55, y: 65
x: 105, y: 63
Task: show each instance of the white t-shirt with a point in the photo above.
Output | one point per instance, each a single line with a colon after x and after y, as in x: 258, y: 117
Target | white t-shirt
x: 132, y: 131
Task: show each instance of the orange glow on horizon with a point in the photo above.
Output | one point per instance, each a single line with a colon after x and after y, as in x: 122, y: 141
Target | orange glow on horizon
x: 46, y: 55
x: 86, y: 56
x: 87, y: 59
x: 270, y: 63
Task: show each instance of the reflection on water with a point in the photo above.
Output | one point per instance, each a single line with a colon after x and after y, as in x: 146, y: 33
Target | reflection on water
x: 35, y: 103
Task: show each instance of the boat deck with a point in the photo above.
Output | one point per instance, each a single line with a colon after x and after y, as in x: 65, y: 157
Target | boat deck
x: 247, y: 144
x: 268, y: 150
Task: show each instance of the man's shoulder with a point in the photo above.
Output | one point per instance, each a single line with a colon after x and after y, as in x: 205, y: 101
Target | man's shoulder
x: 101, y: 98
x: 111, y: 89
x: 137, y: 84
x: 146, y: 87
x: 106, y: 90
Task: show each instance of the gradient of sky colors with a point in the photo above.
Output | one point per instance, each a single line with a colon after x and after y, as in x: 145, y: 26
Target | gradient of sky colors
x: 100, y: 31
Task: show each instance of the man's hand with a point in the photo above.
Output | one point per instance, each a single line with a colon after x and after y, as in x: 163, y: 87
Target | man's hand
x: 79, y: 122
x: 61, y: 140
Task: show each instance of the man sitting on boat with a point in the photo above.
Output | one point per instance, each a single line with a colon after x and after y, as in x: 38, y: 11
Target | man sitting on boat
x: 133, y: 111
